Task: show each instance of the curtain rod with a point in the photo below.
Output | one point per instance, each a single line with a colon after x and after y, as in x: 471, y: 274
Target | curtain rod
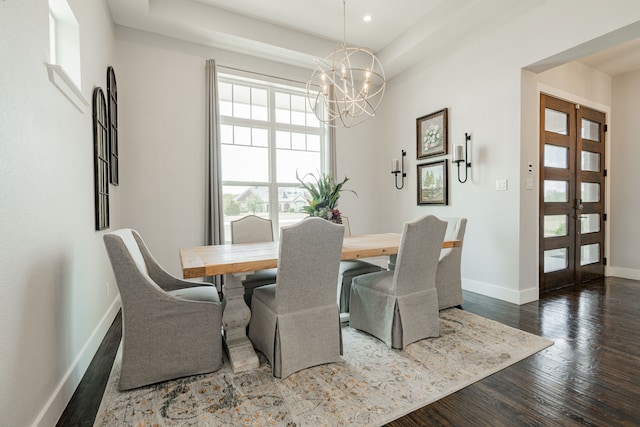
x: 261, y: 74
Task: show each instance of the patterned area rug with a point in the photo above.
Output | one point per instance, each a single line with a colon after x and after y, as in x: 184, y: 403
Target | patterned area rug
x: 373, y: 385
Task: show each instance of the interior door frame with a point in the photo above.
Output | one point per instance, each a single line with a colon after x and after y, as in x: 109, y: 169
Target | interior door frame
x: 570, y: 97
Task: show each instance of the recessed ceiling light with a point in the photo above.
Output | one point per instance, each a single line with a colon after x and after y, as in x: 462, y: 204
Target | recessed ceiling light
x: 367, y: 18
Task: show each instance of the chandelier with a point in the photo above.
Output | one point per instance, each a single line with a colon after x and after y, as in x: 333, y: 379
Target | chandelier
x: 347, y: 85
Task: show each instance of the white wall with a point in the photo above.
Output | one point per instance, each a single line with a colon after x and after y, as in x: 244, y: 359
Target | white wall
x: 625, y: 157
x: 57, y: 291
x: 481, y: 84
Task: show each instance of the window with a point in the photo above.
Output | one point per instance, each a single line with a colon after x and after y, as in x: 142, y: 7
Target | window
x: 64, y: 39
x: 64, y: 53
x: 268, y: 135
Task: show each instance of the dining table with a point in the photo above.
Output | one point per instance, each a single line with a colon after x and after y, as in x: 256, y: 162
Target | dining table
x: 236, y: 261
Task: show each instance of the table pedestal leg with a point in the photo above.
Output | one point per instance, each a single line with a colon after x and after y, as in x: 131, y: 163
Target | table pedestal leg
x: 235, y: 319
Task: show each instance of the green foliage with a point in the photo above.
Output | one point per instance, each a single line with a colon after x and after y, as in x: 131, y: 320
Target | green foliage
x: 231, y: 207
x: 324, y: 192
x: 254, y: 203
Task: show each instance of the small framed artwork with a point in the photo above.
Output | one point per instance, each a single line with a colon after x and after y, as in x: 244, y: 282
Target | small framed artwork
x: 433, y: 185
x: 432, y: 134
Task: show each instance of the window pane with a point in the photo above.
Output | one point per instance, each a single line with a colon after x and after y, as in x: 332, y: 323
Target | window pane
x: 589, y: 223
x: 225, y: 91
x: 226, y: 134
x: 589, y: 254
x: 555, y: 225
x: 556, y: 260
x: 556, y: 191
x: 313, y: 142
x: 283, y: 108
x: 312, y: 120
x: 590, y: 192
x: 245, y: 163
x: 259, y: 109
x: 290, y: 161
x: 298, y: 110
x: 555, y: 121
x: 283, y: 139
x: 226, y: 108
x: 298, y: 141
x: 590, y: 161
x: 290, y: 203
x: 590, y: 130
x: 241, y: 102
x: 555, y: 156
x: 238, y: 202
x: 241, y: 135
x: 260, y: 137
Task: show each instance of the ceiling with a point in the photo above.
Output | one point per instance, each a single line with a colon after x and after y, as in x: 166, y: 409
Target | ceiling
x: 296, y: 31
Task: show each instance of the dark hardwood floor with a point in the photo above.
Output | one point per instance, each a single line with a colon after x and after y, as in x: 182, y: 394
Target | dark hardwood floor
x: 589, y: 377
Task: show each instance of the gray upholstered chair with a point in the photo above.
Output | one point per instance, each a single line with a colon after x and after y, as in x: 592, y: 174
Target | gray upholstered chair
x: 401, y: 306
x: 295, y: 323
x: 448, y: 280
x: 253, y: 229
x: 170, y: 328
x: 348, y: 270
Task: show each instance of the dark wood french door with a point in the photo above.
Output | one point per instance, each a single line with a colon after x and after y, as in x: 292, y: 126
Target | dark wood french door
x: 572, y: 174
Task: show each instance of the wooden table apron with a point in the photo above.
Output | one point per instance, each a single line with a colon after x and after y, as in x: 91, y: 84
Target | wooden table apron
x: 238, y: 260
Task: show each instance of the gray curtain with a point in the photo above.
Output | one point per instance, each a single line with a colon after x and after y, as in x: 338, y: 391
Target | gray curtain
x: 333, y: 163
x: 214, y: 219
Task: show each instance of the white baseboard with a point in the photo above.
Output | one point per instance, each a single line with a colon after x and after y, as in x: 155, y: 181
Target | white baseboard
x: 625, y: 273
x: 54, y: 407
x: 510, y: 295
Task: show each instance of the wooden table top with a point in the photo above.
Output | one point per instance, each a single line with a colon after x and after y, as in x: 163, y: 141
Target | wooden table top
x: 204, y: 261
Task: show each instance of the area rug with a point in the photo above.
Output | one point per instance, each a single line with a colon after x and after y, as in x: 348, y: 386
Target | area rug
x: 371, y: 386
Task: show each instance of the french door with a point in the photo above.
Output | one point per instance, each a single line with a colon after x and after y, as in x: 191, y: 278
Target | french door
x: 572, y: 173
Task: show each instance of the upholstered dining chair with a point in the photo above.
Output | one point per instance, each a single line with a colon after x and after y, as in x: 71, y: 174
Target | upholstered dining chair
x: 295, y: 323
x: 254, y: 229
x: 170, y: 328
x: 401, y: 306
x: 348, y: 270
x: 448, y: 279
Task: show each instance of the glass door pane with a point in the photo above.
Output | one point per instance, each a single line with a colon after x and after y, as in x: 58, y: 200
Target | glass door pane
x: 590, y: 192
x: 556, y: 191
x: 590, y: 161
x: 589, y: 254
x: 590, y: 130
x: 556, y: 157
x: 556, y: 260
x: 556, y: 121
x: 589, y: 223
x: 555, y: 225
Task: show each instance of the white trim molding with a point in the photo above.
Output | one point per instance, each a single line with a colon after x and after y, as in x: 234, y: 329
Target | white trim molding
x: 513, y: 296
x: 62, y: 81
x: 59, y: 399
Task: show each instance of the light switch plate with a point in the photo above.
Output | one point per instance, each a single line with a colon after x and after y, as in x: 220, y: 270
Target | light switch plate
x: 501, y: 185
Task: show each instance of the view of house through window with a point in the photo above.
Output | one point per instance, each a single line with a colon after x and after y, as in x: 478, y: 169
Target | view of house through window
x: 268, y: 134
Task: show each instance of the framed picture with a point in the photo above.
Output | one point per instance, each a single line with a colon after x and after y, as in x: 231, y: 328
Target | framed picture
x: 433, y: 183
x: 432, y: 134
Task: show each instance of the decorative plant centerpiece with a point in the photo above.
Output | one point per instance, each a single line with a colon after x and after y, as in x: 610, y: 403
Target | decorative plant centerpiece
x: 324, y: 193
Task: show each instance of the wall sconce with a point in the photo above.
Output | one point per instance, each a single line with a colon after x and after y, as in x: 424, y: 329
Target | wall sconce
x: 460, y: 155
x: 398, y: 169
